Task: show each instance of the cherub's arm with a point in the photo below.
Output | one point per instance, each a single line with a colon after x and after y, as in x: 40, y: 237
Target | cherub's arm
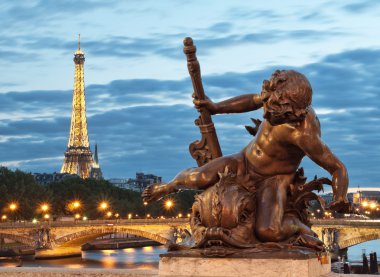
x: 316, y: 150
x: 238, y: 104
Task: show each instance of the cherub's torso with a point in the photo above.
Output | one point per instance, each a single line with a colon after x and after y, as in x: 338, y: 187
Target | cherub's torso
x: 273, y: 151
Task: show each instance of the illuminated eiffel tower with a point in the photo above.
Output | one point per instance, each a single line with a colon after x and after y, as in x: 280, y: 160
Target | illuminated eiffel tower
x: 78, y: 156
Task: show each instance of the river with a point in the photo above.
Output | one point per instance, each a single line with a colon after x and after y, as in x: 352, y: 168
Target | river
x: 132, y: 258
x: 355, y: 252
x: 146, y: 258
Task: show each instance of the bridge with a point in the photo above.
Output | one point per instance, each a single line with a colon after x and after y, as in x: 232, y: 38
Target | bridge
x: 66, y: 238
x: 339, y: 234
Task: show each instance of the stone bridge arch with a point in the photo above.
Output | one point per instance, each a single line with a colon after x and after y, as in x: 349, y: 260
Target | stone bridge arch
x: 17, y: 238
x: 76, y: 239
x: 359, y: 239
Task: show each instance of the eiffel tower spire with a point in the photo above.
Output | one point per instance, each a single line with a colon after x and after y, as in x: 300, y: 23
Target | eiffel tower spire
x: 78, y: 156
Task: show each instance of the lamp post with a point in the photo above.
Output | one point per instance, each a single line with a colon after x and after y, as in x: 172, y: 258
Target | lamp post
x: 44, y: 208
x: 73, y: 207
x: 77, y: 217
x: 103, y: 207
x: 169, y: 204
x: 145, y: 205
x: 13, y: 206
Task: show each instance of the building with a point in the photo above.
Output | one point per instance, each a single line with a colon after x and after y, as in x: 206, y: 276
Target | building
x: 138, y: 184
x: 47, y: 178
x: 356, y: 197
x: 96, y: 172
x: 143, y: 180
x: 78, y: 156
x: 366, y: 195
x: 122, y: 183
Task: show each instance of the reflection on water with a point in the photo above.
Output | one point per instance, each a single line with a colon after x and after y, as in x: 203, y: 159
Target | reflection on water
x: 136, y: 258
x: 144, y: 258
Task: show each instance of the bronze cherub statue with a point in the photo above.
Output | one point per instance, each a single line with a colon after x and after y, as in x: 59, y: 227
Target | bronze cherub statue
x: 258, y: 195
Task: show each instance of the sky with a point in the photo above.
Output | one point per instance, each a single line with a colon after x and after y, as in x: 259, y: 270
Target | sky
x: 138, y: 91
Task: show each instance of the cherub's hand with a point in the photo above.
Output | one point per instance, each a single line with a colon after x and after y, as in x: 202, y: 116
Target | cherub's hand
x: 206, y: 103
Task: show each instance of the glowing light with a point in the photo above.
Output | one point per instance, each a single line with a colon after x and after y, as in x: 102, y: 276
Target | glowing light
x: 46, y: 216
x: 365, y: 204
x: 108, y: 251
x: 34, y: 221
x: 44, y: 207
x: 4, y: 217
x: 169, y: 204
x: 179, y: 215
x: 109, y: 262
x: 129, y: 216
x: 13, y: 206
x: 109, y: 214
x: 372, y: 205
x: 84, y: 218
x: 117, y: 215
x: 77, y: 216
x: 74, y: 266
x: 145, y: 203
x: 147, y: 248
x: 103, y: 205
x: 74, y: 205
x: 148, y: 215
x: 129, y: 250
x: 188, y: 215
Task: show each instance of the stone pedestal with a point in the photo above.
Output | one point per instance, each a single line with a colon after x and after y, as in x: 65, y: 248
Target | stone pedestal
x: 268, y: 264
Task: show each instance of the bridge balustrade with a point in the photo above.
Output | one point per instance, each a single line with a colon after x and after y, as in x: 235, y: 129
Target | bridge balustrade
x: 28, y: 224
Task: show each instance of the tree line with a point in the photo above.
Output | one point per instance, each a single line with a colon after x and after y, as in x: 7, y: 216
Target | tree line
x: 20, y: 188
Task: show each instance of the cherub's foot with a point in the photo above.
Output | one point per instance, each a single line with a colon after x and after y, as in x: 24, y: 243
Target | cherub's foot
x: 309, y: 241
x: 155, y: 192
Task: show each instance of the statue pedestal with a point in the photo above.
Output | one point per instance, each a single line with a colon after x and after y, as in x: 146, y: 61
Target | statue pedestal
x: 267, y: 263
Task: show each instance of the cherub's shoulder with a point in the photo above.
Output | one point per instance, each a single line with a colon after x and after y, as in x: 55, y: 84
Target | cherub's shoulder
x: 310, y: 123
x: 310, y: 126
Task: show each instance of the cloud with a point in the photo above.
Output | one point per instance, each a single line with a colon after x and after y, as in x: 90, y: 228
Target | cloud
x: 45, y: 12
x: 360, y: 6
x: 147, y: 124
x: 213, y: 37
x: 269, y: 15
x: 14, y: 56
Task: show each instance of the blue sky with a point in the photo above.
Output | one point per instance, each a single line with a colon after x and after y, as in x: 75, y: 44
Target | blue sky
x: 138, y: 91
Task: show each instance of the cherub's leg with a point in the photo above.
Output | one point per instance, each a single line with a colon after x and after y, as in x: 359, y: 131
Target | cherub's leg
x: 271, y: 223
x: 196, y: 178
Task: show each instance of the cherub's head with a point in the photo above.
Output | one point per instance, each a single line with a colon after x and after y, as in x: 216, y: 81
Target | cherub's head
x: 286, y: 96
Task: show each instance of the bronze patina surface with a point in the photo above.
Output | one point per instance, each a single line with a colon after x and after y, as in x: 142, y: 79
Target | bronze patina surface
x: 256, y: 198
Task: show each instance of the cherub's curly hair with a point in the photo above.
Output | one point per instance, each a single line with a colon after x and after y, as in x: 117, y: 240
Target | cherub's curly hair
x: 287, y: 93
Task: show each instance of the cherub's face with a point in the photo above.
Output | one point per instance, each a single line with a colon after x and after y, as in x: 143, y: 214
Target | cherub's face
x: 271, y: 113
x: 286, y: 97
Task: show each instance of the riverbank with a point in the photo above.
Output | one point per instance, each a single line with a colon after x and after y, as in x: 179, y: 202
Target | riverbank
x: 86, y: 272
x: 83, y: 272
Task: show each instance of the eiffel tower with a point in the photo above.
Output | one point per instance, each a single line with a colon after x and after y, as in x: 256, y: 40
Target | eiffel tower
x: 78, y: 156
